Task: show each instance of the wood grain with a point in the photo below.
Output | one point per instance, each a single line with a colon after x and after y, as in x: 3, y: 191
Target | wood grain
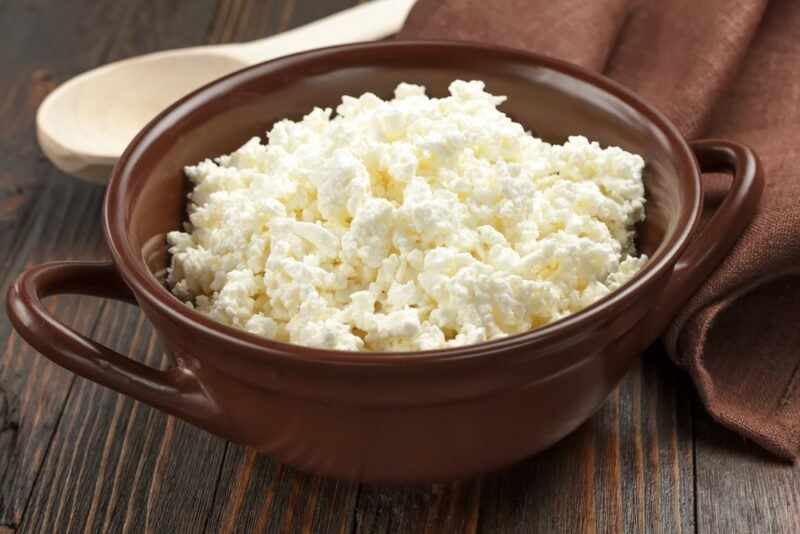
x: 298, y: 12
x: 58, y: 217
x: 77, y: 457
x: 256, y: 494
x: 740, y: 488
x: 42, y: 221
x: 137, y: 469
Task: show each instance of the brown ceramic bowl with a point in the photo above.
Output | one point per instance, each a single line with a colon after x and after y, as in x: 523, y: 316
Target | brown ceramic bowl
x: 397, y: 417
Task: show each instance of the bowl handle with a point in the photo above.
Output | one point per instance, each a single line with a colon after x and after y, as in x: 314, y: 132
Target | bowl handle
x: 176, y: 391
x: 713, y: 242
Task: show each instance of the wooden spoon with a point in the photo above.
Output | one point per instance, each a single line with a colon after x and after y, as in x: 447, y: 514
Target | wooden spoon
x: 86, y: 123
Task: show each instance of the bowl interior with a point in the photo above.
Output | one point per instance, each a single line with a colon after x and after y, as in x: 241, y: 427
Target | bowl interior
x: 552, y: 100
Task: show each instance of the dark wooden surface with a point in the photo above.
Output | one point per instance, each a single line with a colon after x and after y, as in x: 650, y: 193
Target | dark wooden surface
x: 77, y: 457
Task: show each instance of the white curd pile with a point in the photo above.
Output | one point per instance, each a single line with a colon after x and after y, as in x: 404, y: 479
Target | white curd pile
x: 410, y: 224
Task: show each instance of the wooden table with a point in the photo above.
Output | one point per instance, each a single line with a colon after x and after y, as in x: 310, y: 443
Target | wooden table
x: 75, y: 456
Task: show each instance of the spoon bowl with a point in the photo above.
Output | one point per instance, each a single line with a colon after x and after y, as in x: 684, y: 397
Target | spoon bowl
x: 86, y: 124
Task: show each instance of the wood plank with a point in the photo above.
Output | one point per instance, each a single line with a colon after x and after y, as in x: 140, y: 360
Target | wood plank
x: 655, y: 462
x: 237, y: 21
x: 450, y: 507
x: 39, y: 218
x: 116, y: 465
x: 299, y: 12
x: 34, y: 389
x: 154, y: 25
x: 38, y: 51
x: 741, y: 488
x: 258, y: 495
x: 51, y: 216
x: 629, y: 469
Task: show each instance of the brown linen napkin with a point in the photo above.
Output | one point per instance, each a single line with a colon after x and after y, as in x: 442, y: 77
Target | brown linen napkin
x: 717, y: 68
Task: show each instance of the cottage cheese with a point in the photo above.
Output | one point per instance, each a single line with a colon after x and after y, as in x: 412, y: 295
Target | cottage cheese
x: 410, y: 224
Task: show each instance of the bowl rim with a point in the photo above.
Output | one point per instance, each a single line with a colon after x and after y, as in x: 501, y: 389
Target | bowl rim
x: 147, y: 289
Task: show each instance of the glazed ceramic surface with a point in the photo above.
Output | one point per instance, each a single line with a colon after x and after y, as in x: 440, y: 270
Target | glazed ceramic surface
x: 397, y: 417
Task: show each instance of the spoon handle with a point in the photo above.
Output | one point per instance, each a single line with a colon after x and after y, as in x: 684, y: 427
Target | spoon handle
x: 366, y: 22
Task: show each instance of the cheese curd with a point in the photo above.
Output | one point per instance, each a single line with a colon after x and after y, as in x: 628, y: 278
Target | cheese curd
x: 410, y: 224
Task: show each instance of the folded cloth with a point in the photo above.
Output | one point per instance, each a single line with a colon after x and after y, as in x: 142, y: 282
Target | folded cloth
x: 721, y: 68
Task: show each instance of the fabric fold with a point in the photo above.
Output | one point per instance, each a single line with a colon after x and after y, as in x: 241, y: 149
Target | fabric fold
x: 579, y: 31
